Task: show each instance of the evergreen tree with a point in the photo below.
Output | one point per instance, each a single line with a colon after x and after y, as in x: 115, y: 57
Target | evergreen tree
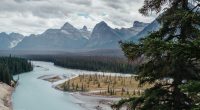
x: 77, y: 87
x: 82, y: 87
x: 10, y: 66
x: 108, y: 89
x: 171, y: 56
x: 4, y: 74
x: 192, y: 88
x: 93, y: 63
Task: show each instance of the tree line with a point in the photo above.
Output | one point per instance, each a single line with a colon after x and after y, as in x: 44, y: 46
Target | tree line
x: 91, y: 63
x: 10, y: 66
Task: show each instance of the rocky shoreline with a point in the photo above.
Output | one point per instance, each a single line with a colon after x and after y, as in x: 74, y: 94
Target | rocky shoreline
x: 92, y: 102
x: 5, y: 96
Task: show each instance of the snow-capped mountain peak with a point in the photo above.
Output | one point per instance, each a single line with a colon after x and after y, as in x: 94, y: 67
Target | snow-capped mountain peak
x: 8, y: 41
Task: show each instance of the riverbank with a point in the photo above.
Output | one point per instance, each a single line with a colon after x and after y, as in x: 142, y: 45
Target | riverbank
x: 5, y: 96
x: 86, y: 100
x: 95, y: 102
x: 97, y: 91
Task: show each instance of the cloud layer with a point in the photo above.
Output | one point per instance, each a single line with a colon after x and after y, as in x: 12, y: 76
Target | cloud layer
x: 35, y: 16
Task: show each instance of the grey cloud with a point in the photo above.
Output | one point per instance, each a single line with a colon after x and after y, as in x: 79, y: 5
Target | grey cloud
x: 121, y: 4
x: 33, y: 16
x: 44, y: 8
x: 81, y: 2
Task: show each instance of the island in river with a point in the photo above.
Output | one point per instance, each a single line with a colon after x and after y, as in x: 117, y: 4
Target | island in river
x: 118, y: 85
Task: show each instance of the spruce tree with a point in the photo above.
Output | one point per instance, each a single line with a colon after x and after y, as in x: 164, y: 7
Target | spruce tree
x: 192, y: 89
x: 171, y: 56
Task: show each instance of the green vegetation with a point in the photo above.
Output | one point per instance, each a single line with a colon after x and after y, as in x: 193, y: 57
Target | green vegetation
x: 192, y: 88
x: 172, y: 57
x: 106, y: 85
x: 10, y: 66
x: 92, y: 63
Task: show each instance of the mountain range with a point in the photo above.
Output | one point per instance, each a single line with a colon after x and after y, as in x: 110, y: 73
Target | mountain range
x: 153, y: 26
x: 8, y: 41
x: 69, y: 38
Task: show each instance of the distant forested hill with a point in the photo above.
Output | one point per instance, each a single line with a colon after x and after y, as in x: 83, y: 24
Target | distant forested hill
x: 91, y: 63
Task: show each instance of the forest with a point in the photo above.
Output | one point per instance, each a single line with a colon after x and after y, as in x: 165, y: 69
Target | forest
x: 10, y: 66
x: 91, y: 63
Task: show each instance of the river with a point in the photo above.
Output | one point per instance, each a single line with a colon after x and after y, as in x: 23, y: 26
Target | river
x: 35, y: 94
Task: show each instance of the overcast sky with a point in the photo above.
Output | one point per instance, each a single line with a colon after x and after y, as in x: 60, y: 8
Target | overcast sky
x: 35, y: 16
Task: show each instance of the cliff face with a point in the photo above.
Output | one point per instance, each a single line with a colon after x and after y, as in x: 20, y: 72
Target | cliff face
x: 5, y: 97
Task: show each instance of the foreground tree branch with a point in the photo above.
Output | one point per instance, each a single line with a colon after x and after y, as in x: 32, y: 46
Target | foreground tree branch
x: 171, y: 53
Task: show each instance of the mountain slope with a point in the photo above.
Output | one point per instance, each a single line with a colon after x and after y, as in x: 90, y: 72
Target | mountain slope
x: 103, y: 36
x: 153, y: 26
x: 132, y: 31
x: 70, y: 38
x: 8, y: 41
x: 85, y: 33
x: 67, y: 37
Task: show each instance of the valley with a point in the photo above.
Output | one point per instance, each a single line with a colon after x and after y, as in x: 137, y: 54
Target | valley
x: 99, y: 55
x: 55, y: 99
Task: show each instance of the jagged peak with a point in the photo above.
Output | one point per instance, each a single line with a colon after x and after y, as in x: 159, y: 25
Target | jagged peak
x: 14, y: 33
x: 84, y: 28
x: 102, y: 23
x: 67, y: 25
x: 139, y: 24
x: 3, y: 33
